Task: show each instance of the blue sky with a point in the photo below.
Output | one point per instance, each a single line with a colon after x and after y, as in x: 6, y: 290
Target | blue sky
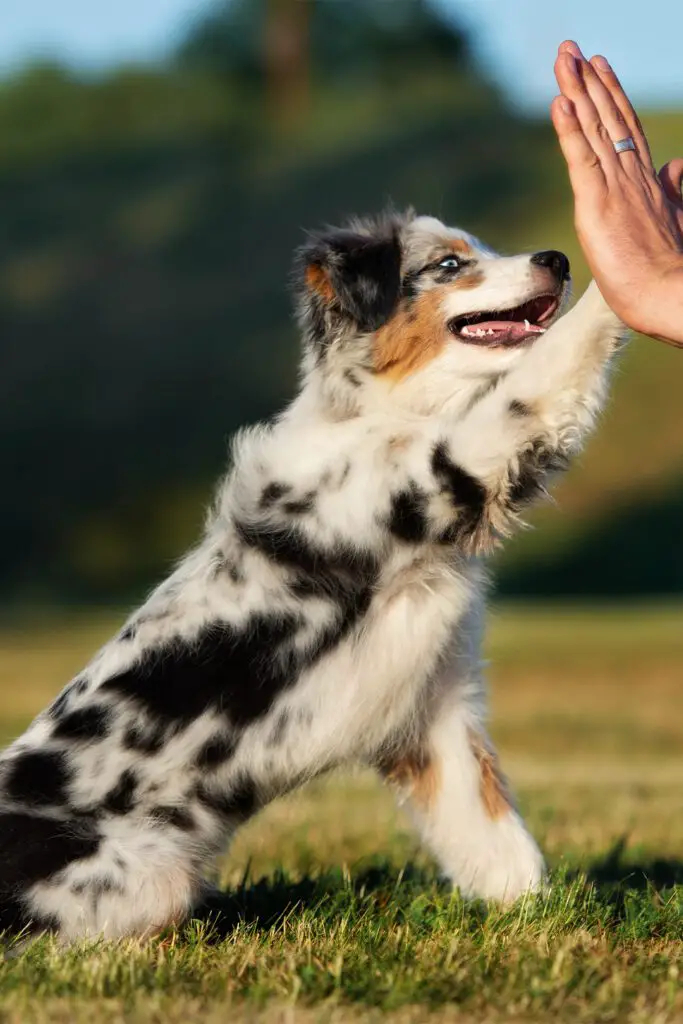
x: 515, y: 38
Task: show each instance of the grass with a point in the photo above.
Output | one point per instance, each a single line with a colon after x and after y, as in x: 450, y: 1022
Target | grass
x: 332, y: 913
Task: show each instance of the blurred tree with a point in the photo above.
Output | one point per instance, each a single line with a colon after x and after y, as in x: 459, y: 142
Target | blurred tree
x: 286, y: 58
x: 273, y: 44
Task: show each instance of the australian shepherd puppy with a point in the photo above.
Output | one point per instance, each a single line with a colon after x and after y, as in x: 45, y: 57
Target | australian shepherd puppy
x: 332, y: 611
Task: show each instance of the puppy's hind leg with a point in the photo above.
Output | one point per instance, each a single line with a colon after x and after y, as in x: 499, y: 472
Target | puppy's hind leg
x: 462, y: 807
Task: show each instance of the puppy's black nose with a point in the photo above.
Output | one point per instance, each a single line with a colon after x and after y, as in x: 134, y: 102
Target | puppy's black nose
x: 553, y: 260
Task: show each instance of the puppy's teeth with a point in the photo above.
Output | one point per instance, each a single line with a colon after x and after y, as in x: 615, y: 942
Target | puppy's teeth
x: 490, y: 331
x: 527, y: 325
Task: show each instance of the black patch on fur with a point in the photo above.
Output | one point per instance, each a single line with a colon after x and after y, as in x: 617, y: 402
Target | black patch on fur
x: 38, y: 778
x: 33, y: 849
x: 409, y: 289
x: 534, y: 466
x: 129, y: 633
x: 178, y: 817
x: 343, y: 575
x: 144, y: 740
x: 317, y: 325
x: 282, y: 545
x: 272, y: 493
x: 519, y: 409
x: 121, y: 799
x: 239, y: 802
x: 351, y: 378
x: 467, y: 493
x: 91, y: 723
x: 305, y: 504
x: 239, y: 670
x: 321, y: 571
x: 215, y: 752
x: 364, y: 272
x: 235, y: 669
x: 408, y: 516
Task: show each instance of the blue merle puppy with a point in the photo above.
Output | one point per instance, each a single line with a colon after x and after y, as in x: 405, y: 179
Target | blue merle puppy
x: 332, y: 611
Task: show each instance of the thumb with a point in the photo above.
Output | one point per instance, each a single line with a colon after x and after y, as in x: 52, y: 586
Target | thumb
x: 671, y: 176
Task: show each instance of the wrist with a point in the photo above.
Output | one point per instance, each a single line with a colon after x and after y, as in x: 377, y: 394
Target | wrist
x: 655, y: 308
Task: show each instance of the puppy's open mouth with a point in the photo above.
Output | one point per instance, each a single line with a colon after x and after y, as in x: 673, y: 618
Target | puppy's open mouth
x: 506, y: 326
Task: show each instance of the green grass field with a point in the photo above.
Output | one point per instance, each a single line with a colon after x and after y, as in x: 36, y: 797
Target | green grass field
x: 331, y: 911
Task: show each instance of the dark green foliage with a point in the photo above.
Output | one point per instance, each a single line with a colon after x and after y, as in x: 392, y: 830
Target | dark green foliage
x: 634, y: 550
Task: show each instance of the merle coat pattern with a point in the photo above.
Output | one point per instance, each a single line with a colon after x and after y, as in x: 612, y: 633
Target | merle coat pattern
x: 332, y: 611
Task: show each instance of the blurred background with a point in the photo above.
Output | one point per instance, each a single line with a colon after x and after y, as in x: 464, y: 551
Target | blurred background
x: 159, y: 161
x: 158, y: 165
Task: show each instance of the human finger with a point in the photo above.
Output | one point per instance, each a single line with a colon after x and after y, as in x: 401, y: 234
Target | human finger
x: 569, y: 46
x: 610, y: 81
x: 570, y: 75
x: 671, y: 177
x: 585, y: 168
x: 611, y: 117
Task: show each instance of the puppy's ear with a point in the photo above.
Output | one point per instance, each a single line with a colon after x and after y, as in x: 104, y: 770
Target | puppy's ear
x: 349, y: 275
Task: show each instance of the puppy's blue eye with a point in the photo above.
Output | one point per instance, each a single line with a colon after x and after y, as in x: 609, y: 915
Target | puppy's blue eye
x: 450, y: 263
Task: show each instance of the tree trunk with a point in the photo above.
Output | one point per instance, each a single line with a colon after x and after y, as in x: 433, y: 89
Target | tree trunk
x: 286, y: 59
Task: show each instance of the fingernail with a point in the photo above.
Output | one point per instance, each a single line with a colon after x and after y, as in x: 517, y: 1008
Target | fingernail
x: 601, y: 63
x: 566, y: 106
x: 576, y: 49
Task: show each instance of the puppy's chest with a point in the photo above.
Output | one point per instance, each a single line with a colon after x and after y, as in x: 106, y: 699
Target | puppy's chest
x: 418, y: 604
x: 372, y: 683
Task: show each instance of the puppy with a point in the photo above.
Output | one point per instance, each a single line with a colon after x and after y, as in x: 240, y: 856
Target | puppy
x: 333, y: 610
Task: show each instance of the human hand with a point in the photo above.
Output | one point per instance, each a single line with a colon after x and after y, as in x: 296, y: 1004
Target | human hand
x: 628, y: 220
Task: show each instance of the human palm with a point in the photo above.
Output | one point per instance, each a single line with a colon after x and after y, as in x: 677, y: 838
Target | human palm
x: 628, y: 218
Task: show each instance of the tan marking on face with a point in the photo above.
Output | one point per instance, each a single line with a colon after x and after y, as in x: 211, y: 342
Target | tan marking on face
x: 463, y: 282
x: 460, y: 246
x: 318, y: 281
x: 416, y: 772
x: 415, y: 335
x: 492, y: 786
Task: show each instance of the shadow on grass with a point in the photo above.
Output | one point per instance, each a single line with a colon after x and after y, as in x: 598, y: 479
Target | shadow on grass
x: 614, y: 872
x: 269, y: 901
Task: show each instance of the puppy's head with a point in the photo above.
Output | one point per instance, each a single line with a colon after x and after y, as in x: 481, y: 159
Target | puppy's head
x: 408, y: 307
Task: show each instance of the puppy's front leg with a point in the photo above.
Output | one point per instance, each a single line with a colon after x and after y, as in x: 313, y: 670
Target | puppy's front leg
x: 499, y: 457
x: 462, y: 807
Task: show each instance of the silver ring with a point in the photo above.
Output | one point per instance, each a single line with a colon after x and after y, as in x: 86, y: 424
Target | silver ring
x: 625, y: 145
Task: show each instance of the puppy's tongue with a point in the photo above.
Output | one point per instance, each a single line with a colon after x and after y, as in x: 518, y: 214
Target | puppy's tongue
x: 501, y: 330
